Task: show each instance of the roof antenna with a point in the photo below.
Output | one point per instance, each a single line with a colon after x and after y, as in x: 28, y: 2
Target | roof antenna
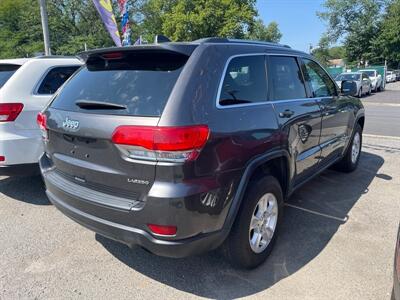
x: 159, y: 39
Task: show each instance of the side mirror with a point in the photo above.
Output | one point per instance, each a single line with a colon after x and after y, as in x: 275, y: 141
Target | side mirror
x: 348, y: 88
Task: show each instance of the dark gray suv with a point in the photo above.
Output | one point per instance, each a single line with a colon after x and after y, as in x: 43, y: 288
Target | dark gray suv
x: 184, y: 147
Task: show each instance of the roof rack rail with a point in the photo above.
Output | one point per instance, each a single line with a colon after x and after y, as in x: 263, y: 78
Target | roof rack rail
x: 250, y: 42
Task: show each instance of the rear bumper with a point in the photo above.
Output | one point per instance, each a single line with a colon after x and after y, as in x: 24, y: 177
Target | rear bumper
x: 20, y: 170
x: 22, y: 147
x: 133, y: 236
x: 200, y: 228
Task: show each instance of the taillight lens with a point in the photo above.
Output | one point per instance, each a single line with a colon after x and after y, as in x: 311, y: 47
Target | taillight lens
x: 176, y: 144
x: 2, y: 158
x: 163, y: 229
x: 42, y: 121
x: 10, y: 111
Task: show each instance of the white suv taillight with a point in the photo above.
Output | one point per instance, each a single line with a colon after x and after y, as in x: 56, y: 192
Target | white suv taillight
x: 173, y: 144
x: 10, y: 111
x: 41, y: 119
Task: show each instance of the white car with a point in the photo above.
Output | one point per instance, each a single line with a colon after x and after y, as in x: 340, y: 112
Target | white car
x: 376, y: 79
x: 390, y: 76
x: 26, y: 86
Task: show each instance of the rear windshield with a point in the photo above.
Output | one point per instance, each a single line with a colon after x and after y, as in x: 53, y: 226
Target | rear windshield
x: 6, y: 71
x: 140, y: 82
x: 369, y: 73
x: 348, y: 77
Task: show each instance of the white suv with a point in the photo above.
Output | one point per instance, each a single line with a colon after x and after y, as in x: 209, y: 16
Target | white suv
x: 26, y: 86
x: 377, y: 82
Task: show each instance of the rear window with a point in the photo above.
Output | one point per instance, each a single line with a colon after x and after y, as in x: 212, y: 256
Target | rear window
x: 54, y: 79
x: 141, y: 82
x: 6, y: 71
x: 348, y: 77
x: 245, y: 81
x: 370, y: 73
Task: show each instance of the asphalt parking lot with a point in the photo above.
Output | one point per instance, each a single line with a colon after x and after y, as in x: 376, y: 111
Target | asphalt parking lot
x: 337, y: 242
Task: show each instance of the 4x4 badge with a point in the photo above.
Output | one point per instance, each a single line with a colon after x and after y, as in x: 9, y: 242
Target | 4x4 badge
x: 70, y: 125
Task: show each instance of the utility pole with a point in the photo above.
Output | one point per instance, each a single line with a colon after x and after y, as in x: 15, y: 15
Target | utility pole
x: 45, y: 26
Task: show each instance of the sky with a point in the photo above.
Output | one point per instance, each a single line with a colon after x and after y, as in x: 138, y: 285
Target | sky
x: 297, y: 20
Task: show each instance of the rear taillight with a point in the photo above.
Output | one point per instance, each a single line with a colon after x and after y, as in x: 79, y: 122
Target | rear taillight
x: 2, y: 158
x: 175, y: 144
x: 10, y: 111
x: 41, y: 119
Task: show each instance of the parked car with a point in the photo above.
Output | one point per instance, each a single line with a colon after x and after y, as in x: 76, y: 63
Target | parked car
x: 376, y: 79
x: 364, y: 85
x: 26, y: 86
x: 390, y: 77
x: 183, y: 147
x: 396, y: 274
x: 397, y: 72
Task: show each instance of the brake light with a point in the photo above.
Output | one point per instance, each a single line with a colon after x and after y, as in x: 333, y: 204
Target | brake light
x: 113, y: 55
x: 176, y: 144
x: 162, y: 229
x: 42, y: 121
x: 2, y: 158
x: 10, y: 111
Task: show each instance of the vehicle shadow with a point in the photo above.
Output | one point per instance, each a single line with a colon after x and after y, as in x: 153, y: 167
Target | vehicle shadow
x: 303, y: 236
x: 26, y: 189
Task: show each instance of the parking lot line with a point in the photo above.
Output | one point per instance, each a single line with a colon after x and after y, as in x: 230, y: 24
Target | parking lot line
x: 382, y: 136
x: 344, y: 220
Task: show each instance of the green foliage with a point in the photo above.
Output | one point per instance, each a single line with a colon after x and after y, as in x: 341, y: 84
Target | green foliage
x: 323, y: 53
x: 357, y: 23
x: 187, y: 20
x: 260, y: 32
x: 74, y: 23
x: 368, y: 31
x: 388, y: 41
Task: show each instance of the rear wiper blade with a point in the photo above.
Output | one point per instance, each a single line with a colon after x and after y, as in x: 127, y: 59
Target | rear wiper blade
x: 89, y: 104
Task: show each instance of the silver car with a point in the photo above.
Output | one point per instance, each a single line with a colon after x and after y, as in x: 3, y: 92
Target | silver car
x: 364, y: 84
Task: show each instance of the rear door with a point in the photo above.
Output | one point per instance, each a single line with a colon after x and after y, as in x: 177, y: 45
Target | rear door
x: 298, y: 115
x: 112, y: 90
x: 335, y: 111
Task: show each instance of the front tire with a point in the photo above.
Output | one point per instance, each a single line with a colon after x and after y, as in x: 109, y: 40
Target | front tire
x: 352, y: 156
x: 254, y: 232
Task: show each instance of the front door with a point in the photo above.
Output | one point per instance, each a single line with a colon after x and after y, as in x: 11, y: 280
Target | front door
x: 335, y: 112
x: 299, y: 117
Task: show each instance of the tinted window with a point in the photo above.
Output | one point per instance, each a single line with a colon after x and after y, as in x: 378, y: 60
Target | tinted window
x: 54, y: 79
x: 245, y: 81
x: 140, y: 82
x: 6, y: 71
x: 321, y: 84
x: 348, y: 77
x: 370, y: 73
x: 286, y: 78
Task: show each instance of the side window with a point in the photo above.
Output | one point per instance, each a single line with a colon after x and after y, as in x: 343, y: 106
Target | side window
x: 321, y: 84
x: 54, y: 79
x: 286, y: 78
x: 245, y: 81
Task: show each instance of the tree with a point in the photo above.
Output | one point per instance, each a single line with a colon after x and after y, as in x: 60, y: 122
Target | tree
x: 356, y: 22
x: 388, y: 41
x: 188, y: 20
x: 270, y: 33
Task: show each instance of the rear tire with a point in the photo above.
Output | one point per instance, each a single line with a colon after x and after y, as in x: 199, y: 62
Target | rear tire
x: 351, y: 158
x: 254, y: 232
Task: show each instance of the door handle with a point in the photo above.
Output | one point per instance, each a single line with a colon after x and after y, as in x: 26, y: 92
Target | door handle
x: 286, y: 114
